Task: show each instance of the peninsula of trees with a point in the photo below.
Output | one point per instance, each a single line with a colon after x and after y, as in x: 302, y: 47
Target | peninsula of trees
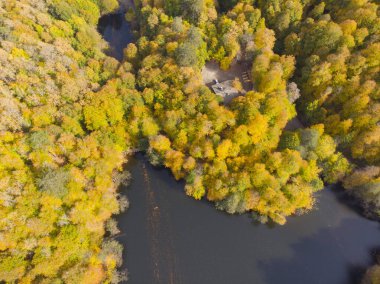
x: 71, y: 115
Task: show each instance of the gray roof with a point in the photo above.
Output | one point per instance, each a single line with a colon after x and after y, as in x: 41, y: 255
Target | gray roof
x: 225, y: 90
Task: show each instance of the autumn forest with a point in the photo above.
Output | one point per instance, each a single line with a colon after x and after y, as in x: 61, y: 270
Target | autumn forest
x: 71, y: 116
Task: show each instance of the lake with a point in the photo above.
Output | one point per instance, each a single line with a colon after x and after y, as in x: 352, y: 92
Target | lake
x: 117, y: 32
x: 171, y: 238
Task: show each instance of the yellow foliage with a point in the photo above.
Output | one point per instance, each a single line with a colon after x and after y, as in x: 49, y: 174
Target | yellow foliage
x: 223, y: 149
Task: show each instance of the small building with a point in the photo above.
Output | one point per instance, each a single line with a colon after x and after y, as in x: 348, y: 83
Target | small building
x: 225, y: 90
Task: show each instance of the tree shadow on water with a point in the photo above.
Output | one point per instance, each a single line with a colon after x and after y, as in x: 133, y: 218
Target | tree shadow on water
x: 338, y: 255
x: 344, y: 198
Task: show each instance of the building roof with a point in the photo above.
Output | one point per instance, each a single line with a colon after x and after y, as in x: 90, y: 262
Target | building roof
x: 225, y: 90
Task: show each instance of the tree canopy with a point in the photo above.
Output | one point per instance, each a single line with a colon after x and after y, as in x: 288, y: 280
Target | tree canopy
x: 70, y: 115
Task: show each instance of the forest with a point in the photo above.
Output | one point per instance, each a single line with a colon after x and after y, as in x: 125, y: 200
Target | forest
x: 71, y: 116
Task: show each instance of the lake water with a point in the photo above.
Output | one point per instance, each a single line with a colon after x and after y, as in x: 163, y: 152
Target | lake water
x: 171, y: 238
x: 117, y: 32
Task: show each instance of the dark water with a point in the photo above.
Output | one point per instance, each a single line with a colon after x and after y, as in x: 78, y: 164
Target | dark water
x: 116, y: 31
x: 170, y: 238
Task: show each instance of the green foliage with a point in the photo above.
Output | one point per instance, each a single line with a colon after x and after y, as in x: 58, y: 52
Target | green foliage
x: 290, y: 140
x: 191, y: 51
x: 186, y: 55
x: 192, y: 9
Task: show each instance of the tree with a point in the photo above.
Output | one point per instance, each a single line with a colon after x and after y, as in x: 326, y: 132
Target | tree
x: 309, y: 138
x: 108, y: 6
x: 367, y: 145
x: 293, y: 92
x: 322, y: 38
x: 54, y: 182
x: 289, y: 140
x: 94, y: 118
x: 192, y: 10
x: 160, y: 143
x: 186, y: 55
x: 224, y: 149
x: 191, y: 51
x: 58, y: 169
